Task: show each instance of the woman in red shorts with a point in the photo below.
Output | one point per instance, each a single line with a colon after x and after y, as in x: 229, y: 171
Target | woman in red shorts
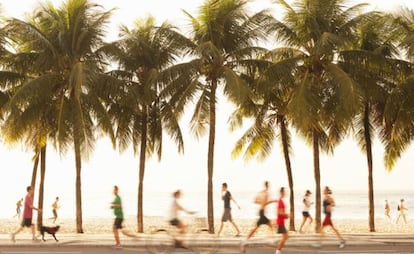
x: 328, y: 204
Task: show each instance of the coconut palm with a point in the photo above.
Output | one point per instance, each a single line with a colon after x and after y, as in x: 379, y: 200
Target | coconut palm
x: 372, y: 63
x: 60, y: 44
x: 12, y: 75
x: 142, y: 110
x: 272, y: 89
x: 223, y: 35
x: 325, y: 98
x: 399, y: 108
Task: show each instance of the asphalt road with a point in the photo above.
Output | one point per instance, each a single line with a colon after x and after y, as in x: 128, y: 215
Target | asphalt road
x: 407, y: 248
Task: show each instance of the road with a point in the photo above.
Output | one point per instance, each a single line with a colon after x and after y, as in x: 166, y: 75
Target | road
x: 407, y: 248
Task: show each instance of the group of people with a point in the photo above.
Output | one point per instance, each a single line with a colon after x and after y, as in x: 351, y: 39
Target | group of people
x: 262, y: 200
x: 401, y: 210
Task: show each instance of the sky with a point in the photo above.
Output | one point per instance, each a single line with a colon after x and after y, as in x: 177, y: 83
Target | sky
x: 345, y: 170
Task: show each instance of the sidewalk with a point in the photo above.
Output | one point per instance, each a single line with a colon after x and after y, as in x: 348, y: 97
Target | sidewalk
x: 85, y: 240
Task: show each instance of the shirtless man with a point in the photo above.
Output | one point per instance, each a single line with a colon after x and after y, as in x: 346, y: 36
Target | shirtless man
x: 262, y: 200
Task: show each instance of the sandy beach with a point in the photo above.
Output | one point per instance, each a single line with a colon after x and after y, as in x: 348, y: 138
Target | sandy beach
x: 104, y: 225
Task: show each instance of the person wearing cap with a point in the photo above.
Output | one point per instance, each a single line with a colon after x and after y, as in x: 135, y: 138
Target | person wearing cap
x: 305, y: 212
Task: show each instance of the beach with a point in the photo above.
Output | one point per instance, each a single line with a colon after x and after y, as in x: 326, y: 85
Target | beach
x: 104, y: 225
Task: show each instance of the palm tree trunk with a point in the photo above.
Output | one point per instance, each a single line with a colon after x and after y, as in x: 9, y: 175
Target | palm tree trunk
x: 285, y: 145
x: 41, y: 185
x: 34, y: 172
x: 317, y: 172
x: 78, y: 183
x: 142, y: 157
x: 210, y: 160
x: 368, y: 143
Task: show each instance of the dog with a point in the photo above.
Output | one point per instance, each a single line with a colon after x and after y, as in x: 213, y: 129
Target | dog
x: 50, y: 230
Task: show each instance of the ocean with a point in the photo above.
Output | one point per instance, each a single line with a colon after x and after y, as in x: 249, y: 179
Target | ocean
x: 349, y: 204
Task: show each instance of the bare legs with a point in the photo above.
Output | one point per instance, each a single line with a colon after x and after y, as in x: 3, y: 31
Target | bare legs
x: 282, y: 241
x: 305, y: 218
x: 234, y: 225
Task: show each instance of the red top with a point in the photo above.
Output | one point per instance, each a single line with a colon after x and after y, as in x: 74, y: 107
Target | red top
x: 281, y: 217
x: 28, y: 211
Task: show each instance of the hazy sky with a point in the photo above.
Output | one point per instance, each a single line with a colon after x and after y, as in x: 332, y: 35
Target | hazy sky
x: 345, y: 170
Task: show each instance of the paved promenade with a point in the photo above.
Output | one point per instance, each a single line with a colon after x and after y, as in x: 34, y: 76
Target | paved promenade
x: 79, y: 240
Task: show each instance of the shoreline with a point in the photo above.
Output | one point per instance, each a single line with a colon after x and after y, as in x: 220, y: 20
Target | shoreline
x: 104, y: 225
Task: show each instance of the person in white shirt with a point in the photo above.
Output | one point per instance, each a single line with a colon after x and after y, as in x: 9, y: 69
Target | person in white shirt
x: 174, y: 210
x: 305, y: 212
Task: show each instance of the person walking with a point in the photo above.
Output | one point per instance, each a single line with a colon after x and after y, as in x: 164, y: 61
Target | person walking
x: 55, y: 207
x: 387, y: 209
x: 27, y: 215
x: 261, y: 199
x: 116, y: 205
x: 328, y: 204
x: 305, y: 212
x: 401, y: 212
x: 18, y: 208
x: 227, y: 197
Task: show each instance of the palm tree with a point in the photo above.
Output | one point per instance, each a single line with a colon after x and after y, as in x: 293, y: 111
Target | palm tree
x: 142, y: 110
x: 269, y: 111
x: 325, y: 98
x: 223, y: 35
x: 399, y: 108
x: 373, y: 65
x: 60, y: 44
x: 12, y: 75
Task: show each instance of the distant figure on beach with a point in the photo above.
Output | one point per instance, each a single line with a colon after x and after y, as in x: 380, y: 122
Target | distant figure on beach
x: 27, y: 215
x: 55, y: 206
x: 18, y: 208
x: 305, y: 212
x: 176, y: 207
x: 401, y: 211
x: 116, y: 205
x: 328, y: 204
x: 387, y: 209
x: 261, y: 199
x: 227, y: 197
x: 280, y: 221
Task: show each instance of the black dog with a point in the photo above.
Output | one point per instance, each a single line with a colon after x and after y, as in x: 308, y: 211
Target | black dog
x: 49, y: 230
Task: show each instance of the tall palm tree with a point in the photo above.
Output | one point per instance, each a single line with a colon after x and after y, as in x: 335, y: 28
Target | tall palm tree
x: 224, y: 36
x: 60, y: 44
x: 12, y: 75
x: 142, y: 110
x: 272, y: 90
x: 372, y: 62
x: 325, y: 98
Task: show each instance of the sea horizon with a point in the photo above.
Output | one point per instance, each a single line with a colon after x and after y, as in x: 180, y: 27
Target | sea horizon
x: 350, y: 204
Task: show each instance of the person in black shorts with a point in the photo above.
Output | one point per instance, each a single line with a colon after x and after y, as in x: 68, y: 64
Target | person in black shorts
x: 227, y: 197
x: 305, y: 212
x: 27, y: 215
x: 261, y: 199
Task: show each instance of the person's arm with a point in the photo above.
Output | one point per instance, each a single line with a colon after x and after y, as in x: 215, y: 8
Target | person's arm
x: 270, y: 201
x: 282, y: 212
x: 332, y: 201
x: 231, y: 197
x: 117, y: 203
x: 35, y: 208
x: 180, y: 207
